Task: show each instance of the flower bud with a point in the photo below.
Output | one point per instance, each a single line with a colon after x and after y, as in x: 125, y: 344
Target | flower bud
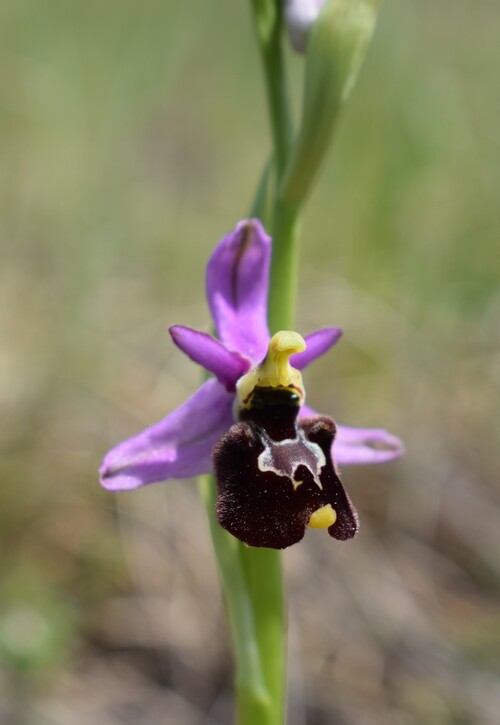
x: 299, y: 16
x: 335, y: 50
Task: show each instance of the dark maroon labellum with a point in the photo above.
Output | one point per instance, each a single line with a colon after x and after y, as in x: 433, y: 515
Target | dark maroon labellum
x: 274, y: 472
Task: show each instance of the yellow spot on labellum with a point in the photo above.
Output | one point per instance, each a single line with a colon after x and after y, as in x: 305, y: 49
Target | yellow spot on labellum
x: 323, y: 517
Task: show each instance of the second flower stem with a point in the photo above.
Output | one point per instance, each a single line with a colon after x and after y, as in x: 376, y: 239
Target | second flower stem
x: 268, y: 26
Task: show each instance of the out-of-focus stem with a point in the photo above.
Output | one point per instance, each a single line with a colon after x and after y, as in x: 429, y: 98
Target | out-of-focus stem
x: 251, y: 579
x: 268, y: 26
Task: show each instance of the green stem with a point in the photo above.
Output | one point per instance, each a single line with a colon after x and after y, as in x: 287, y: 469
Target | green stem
x: 284, y: 267
x: 265, y: 585
x: 267, y: 16
x: 251, y: 579
x: 284, y: 224
x: 262, y: 207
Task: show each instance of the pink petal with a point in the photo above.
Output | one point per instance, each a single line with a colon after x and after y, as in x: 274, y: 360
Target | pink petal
x: 237, y: 287
x: 360, y: 446
x: 211, y: 354
x: 357, y: 446
x: 317, y: 343
x: 307, y: 412
x: 179, y: 446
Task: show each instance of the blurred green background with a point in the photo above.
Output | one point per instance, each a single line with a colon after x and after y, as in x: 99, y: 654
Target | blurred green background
x: 132, y: 135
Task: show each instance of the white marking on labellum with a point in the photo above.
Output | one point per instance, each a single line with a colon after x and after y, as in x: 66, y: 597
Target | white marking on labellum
x: 285, y: 457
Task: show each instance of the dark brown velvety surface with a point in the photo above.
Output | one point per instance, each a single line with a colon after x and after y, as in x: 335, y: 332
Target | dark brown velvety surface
x: 264, y: 508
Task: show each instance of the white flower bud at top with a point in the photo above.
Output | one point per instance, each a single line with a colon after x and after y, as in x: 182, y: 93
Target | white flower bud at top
x: 300, y: 15
x: 336, y: 45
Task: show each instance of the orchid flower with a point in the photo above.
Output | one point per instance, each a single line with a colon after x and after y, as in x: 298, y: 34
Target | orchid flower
x: 273, y: 455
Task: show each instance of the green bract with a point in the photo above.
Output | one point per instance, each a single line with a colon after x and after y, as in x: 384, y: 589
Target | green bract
x: 335, y: 51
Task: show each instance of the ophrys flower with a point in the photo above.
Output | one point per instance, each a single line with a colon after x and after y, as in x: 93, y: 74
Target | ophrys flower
x: 181, y: 445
